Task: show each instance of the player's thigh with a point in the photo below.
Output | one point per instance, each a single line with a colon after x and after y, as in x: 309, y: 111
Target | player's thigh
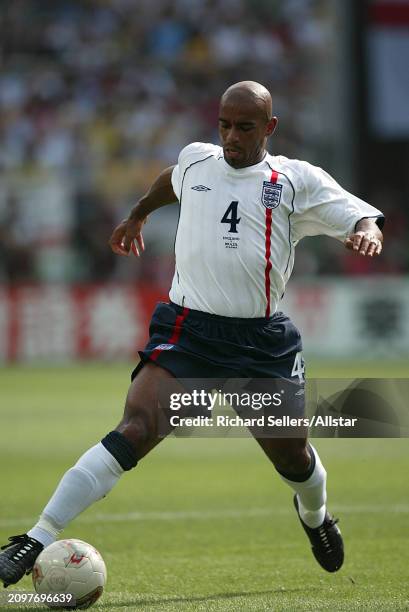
x: 143, y: 393
x: 144, y: 422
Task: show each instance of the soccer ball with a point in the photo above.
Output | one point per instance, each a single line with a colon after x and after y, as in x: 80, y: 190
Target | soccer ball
x: 70, y: 566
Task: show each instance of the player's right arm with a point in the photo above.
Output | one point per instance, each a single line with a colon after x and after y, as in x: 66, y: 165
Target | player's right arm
x: 128, y: 234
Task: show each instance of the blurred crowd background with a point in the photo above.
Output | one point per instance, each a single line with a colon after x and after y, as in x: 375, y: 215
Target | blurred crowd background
x: 97, y: 96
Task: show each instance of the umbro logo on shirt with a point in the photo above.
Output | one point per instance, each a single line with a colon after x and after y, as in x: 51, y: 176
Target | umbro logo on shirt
x: 201, y: 188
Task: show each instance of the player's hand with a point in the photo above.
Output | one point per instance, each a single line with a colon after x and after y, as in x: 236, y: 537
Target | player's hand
x: 127, y: 236
x: 365, y: 243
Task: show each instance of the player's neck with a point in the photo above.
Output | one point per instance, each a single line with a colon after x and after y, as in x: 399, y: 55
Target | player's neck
x: 259, y: 158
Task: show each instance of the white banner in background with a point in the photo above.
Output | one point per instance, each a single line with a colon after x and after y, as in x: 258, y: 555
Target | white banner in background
x: 345, y: 318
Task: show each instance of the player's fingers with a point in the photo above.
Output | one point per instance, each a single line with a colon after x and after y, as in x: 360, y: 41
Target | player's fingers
x: 363, y: 247
x: 140, y: 242
x: 357, y: 239
x: 118, y: 250
x: 127, y: 241
x: 372, y: 248
x: 349, y: 243
x: 125, y: 249
x: 379, y: 248
x: 115, y: 241
x: 134, y: 248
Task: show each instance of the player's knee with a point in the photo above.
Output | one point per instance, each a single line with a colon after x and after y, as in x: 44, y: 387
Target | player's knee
x: 138, y: 425
x: 137, y: 431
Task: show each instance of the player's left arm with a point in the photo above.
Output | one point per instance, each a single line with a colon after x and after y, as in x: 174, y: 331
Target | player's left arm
x: 367, y: 239
x: 326, y: 208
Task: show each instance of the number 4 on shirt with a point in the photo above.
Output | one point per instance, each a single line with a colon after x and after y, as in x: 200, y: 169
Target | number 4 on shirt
x: 230, y: 216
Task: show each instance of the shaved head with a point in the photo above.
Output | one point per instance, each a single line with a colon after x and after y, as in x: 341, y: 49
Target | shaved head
x: 250, y: 92
x: 245, y: 123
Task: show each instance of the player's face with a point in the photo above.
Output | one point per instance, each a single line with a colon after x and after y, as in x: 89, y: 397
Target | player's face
x: 243, y: 130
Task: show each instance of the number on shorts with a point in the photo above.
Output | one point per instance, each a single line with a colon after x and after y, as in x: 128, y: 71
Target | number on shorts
x: 298, y: 367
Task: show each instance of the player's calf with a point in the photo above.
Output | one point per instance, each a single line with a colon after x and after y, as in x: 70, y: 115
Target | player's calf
x: 289, y: 455
x: 144, y: 416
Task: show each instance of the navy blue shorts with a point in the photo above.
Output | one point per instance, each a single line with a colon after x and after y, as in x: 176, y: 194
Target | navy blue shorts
x: 193, y: 344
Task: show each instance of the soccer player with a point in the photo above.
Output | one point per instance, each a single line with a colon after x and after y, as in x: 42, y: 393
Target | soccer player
x: 242, y: 212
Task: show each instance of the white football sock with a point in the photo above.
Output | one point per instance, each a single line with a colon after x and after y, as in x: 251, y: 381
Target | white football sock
x: 91, y: 478
x: 311, y: 494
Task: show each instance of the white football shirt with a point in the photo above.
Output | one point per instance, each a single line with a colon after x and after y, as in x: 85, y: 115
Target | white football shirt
x: 238, y: 229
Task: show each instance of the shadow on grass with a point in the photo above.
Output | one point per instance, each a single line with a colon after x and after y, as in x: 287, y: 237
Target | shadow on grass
x: 215, y: 597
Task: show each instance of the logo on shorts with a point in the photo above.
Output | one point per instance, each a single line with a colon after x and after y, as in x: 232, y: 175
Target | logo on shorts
x: 200, y: 188
x: 271, y: 194
x: 164, y: 347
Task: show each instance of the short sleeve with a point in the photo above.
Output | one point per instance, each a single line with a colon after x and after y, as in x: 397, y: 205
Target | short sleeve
x: 189, y: 155
x: 175, y: 180
x: 325, y: 208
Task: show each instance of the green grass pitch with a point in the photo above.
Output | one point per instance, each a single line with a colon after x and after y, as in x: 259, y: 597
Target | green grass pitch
x: 202, y: 524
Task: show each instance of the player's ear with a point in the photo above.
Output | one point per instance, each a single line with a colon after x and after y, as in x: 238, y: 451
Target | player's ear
x: 271, y: 126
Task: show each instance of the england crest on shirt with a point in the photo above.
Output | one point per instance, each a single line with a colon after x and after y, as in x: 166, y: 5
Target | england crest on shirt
x: 271, y: 194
